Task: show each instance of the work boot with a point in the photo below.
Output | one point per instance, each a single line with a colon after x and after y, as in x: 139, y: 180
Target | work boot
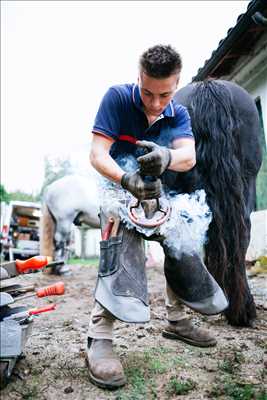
x: 105, y: 369
x: 187, y: 332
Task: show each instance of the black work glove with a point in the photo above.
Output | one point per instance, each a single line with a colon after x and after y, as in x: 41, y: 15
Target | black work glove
x: 156, y: 161
x: 142, y: 190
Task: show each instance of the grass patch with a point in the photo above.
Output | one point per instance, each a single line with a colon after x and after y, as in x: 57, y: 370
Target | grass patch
x: 84, y: 261
x: 70, y: 370
x: 155, y: 351
x: 178, y: 361
x: 177, y: 386
x: 137, y: 384
x: 31, y: 394
x: 157, y: 367
x: 30, y: 391
x: 231, y: 363
x: 147, y: 371
x: 232, y: 390
x: 237, y: 392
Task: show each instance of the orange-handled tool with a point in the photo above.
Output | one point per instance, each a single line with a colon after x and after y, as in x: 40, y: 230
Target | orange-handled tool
x: 14, y: 268
x: 33, y: 263
x: 53, y: 290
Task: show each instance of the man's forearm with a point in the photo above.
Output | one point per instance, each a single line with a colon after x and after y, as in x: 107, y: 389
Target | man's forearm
x: 182, y: 159
x: 107, y: 167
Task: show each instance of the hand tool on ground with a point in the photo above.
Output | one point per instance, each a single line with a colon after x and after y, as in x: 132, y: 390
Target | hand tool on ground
x: 28, y: 313
x: 53, y: 290
x: 17, y: 267
x: 16, y: 322
x: 17, y: 289
x: 13, y: 335
x: 5, y: 300
x: 54, y: 264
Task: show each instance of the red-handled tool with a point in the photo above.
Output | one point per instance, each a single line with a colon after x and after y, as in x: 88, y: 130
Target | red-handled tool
x: 40, y: 310
x: 53, y: 290
x: 107, y: 230
x: 14, y: 268
x: 33, y: 311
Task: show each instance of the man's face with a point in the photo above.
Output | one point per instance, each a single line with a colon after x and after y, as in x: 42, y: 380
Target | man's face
x: 157, y: 93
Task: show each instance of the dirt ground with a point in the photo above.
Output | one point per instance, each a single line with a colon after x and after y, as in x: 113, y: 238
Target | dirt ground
x: 157, y: 368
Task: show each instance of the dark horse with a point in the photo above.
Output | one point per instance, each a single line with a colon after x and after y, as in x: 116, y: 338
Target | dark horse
x: 226, y: 126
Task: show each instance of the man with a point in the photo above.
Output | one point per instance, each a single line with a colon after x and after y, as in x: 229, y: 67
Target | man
x: 132, y: 118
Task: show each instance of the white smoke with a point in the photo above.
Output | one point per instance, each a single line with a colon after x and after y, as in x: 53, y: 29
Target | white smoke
x: 185, y: 229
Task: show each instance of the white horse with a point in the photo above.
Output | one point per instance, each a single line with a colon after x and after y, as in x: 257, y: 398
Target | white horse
x: 72, y: 199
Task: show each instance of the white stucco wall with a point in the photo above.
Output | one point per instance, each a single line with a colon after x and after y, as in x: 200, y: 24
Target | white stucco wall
x: 258, y: 241
x: 93, y: 237
x: 258, y: 89
x: 251, y: 73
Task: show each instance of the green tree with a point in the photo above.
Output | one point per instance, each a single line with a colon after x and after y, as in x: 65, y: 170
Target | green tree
x: 22, y: 196
x: 4, y: 195
x: 55, y: 168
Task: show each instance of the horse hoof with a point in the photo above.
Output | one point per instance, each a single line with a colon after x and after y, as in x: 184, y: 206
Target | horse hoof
x: 62, y: 270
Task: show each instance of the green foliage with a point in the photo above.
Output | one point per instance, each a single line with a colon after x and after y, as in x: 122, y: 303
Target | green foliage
x: 231, y: 362
x: 55, y: 168
x: 178, y: 387
x: 237, y: 392
x: 16, y: 195
x: 22, y: 196
x: 145, y: 370
x: 156, y: 366
x: 179, y: 361
x: 4, y: 195
x: 137, y: 382
x: 230, y: 388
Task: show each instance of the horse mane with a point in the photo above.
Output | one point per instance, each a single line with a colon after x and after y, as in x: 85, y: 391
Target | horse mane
x: 216, y: 125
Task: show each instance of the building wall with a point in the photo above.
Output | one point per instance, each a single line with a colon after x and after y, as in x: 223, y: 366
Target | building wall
x: 91, y: 245
x: 251, y: 73
x: 258, y: 242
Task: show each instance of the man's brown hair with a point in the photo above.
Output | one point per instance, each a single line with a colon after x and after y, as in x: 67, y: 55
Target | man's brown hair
x: 160, y: 61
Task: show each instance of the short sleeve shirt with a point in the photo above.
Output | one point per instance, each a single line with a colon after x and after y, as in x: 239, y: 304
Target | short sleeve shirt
x: 121, y: 117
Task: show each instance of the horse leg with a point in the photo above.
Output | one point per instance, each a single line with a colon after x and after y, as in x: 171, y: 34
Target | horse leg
x: 61, y: 243
x: 47, y: 230
x: 245, y: 304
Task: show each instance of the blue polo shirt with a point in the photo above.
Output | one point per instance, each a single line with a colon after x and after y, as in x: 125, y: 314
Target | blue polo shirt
x: 121, y: 117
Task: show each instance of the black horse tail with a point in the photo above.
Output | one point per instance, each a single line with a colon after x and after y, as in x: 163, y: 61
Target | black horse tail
x: 216, y: 123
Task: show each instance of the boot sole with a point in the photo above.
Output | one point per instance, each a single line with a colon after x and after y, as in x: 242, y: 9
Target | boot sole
x: 176, y: 336
x: 111, y: 385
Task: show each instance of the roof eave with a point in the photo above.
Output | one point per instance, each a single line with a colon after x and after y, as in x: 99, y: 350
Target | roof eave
x: 226, y: 44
